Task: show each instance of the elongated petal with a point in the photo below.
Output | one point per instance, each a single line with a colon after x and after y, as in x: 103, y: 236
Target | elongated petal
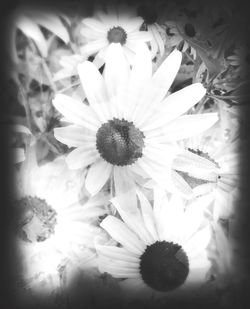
x: 139, y: 36
x: 140, y: 74
x: 132, y: 25
x: 164, y: 76
x: 132, y: 219
x: 117, y: 69
x: 125, y: 186
x: 189, y: 125
x: 93, y: 47
x: 97, y: 176
x: 158, y: 87
x: 177, y: 104
x: 198, y: 243
x: 74, y: 136
x: 121, y: 233
x: 95, y: 25
x: 147, y: 214
x: 188, y: 161
x: 92, y: 82
x: 82, y: 157
x: 117, y: 253
x: 76, y: 112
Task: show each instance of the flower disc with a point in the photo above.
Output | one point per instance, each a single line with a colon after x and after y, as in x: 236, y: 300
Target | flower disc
x: 117, y: 35
x: 119, y: 142
x: 164, y: 266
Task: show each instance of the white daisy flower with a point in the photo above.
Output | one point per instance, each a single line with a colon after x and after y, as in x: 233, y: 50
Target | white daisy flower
x: 117, y: 25
x: 129, y: 127
x: 222, y: 180
x: 161, y: 250
x: 54, y: 225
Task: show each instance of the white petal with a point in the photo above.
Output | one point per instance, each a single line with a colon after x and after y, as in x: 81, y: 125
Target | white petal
x: 133, y: 220
x: 148, y: 216
x: 181, y: 186
x: 198, y: 242
x: 74, y: 136
x: 116, y: 70
x: 133, y: 24
x: 92, y: 82
x: 118, y: 269
x: 189, y: 125
x: 165, y: 74
x: 93, y: 47
x: 157, y: 38
x: 187, y: 161
x: 76, y: 112
x: 140, y: 74
x: 95, y: 25
x: 139, y: 36
x: 193, y: 217
x: 97, y: 176
x: 158, y: 87
x: 153, y: 44
x: 82, y: 157
x: 177, y: 104
x: 125, y: 186
x: 19, y: 155
x: 117, y: 253
x: 155, y: 171
x: 91, y: 33
x: 120, y: 232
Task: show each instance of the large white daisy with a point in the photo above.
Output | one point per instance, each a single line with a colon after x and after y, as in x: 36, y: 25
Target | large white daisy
x: 159, y: 250
x: 55, y: 223
x: 118, y: 24
x: 130, y: 126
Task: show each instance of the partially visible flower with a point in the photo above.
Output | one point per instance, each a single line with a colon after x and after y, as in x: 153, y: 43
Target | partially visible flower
x: 160, y: 250
x: 129, y: 127
x: 17, y: 153
x: 55, y: 222
x: 149, y: 15
x: 222, y: 181
x: 116, y: 25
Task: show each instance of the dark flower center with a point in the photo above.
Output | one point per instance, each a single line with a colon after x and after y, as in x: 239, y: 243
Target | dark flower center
x: 119, y: 142
x: 149, y: 14
x: 164, y: 266
x: 117, y: 35
x: 37, y: 221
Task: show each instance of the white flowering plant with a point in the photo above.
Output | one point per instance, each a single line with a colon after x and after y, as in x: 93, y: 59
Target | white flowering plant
x: 127, y: 132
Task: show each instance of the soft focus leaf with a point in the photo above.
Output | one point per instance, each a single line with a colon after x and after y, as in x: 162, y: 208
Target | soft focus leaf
x: 52, y: 23
x: 32, y: 30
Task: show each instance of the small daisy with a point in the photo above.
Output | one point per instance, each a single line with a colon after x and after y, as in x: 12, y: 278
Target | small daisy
x: 53, y: 224
x: 159, y: 250
x: 116, y: 25
x: 129, y: 127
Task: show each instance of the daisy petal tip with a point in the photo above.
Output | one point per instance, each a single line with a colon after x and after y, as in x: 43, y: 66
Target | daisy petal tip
x: 106, y: 221
x: 81, y: 67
